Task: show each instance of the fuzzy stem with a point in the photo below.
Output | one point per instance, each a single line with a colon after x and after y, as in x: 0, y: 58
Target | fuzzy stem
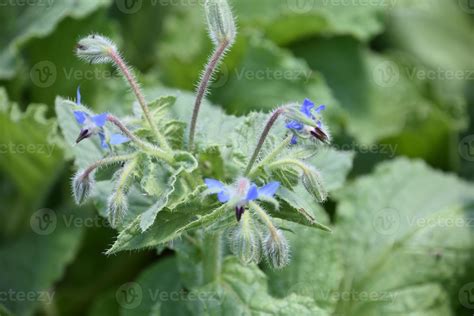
x: 265, y: 218
x: 118, y: 60
x: 295, y: 162
x: 212, y: 257
x: 140, y: 143
x: 204, y: 84
x: 263, y: 137
x: 271, y: 155
x: 105, y: 162
x: 125, y: 175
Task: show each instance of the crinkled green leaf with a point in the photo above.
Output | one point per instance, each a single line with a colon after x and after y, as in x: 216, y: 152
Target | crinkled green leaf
x: 404, y: 218
x: 169, y: 224
x: 30, y: 159
x: 33, y: 21
x: 32, y: 263
x: 242, y: 290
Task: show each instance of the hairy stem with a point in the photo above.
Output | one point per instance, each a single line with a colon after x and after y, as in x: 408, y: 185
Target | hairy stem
x: 145, y: 146
x: 107, y: 161
x: 271, y: 155
x: 265, y: 218
x: 212, y: 257
x: 118, y: 60
x: 263, y: 137
x: 204, y: 84
x: 289, y: 161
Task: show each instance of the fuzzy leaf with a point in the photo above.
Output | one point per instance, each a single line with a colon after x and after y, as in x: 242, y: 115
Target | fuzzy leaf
x: 242, y: 290
x: 32, y: 21
x: 405, y: 217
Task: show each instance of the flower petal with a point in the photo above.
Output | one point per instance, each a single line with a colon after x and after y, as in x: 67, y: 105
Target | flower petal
x: 295, y: 125
x: 252, y: 193
x: 100, y: 119
x: 294, y: 140
x: 223, y: 196
x: 269, y: 189
x: 320, y: 108
x: 117, y: 139
x: 80, y: 116
x: 306, y: 107
x: 78, y: 95
x: 213, y: 184
x: 103, y: 143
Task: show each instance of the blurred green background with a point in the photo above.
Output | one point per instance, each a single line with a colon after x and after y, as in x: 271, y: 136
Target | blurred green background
x: 397, y: 77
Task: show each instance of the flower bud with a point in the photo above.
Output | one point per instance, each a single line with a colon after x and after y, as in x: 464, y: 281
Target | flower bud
x: 82, y: 186
x: 117, y: 208
x: 277, y: 250
x: 95, y: 49
x: 220, y: 21
x: 313, y: 183
x: 245, y: 241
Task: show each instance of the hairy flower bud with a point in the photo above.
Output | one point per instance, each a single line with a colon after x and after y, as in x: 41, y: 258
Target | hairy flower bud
x: 220, y: 21
x: 277, y: 250
x: 82, y: 185
x: 313, y: 183
x: 117, y: 207
x: 245, y: 241
x: 95, y: 49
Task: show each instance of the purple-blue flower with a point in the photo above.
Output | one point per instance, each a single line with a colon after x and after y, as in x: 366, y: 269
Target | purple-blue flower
x: 299, y: 128
x: 94, y: 125
x: 241, y: 193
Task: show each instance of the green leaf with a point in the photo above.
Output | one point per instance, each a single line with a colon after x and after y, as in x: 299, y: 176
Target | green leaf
x: 34, y: 21
x: 30, y: 159
x: 403, y: 218
x: 32, y: 263
x: 315, y: 269
x: 291, y: 20
x: 242, y: 290
x: 159, y: 292
x: 169, y: 224
x: 299, y: 205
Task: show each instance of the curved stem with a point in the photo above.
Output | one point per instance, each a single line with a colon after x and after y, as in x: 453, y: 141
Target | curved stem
x: 271, y: 155
x: 263, y: 137
x: 265, y: 218
x: 295, y: 162
x: 145, y: 146
x: 203, y: 86
x: 118, y: 60
x: 107, y: 161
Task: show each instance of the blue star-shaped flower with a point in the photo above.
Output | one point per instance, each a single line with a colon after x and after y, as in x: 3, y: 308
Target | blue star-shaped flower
x: 240, y: 194
x: 300, y: 128
x: 94, y: 125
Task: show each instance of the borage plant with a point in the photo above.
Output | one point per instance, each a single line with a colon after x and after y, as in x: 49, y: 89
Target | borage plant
x: 165, y: 183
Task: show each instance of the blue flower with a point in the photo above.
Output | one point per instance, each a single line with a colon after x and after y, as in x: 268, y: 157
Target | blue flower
x: 94, y: 125
x: 241, y: 193
x: 301, y: 129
